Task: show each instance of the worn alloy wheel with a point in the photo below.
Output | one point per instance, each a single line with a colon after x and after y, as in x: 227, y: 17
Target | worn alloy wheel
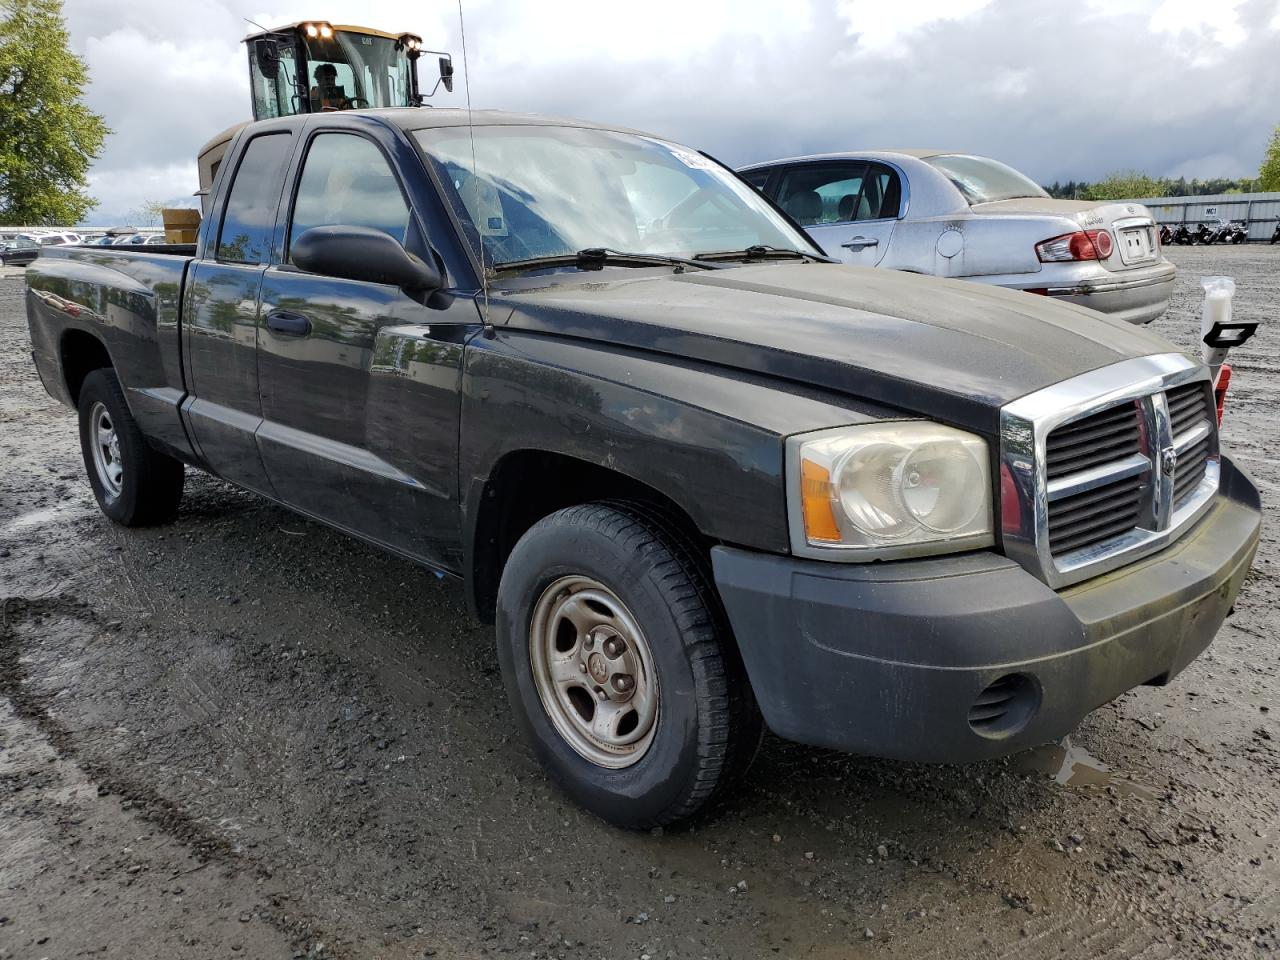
x: 105, y: 445
x: 594, y: 671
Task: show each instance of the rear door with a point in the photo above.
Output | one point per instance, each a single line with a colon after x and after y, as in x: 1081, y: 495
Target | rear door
x: 220, y: 314
x: 849, y: 207
x: 360, y: 383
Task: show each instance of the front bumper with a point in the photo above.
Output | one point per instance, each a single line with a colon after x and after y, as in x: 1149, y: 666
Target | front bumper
x: 898, y: 659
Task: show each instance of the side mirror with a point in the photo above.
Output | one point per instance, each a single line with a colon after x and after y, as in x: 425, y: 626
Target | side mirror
x: 363, y: 253
x: 446, y: 73
x: 268, y: 57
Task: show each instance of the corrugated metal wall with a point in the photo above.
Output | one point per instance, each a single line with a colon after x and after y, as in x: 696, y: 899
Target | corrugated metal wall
x: 1261, y: 211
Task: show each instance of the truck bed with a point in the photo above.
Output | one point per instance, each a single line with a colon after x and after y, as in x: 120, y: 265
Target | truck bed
x: 130, y: 299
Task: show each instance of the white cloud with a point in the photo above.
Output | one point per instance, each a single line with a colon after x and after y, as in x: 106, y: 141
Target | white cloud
x: 1058, y: 93
x: 1217, y: 22
x: 886, y: 28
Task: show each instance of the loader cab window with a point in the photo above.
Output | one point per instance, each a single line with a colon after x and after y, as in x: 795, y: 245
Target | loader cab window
x: 351, y: 71
x: 273, y: 79
x: 250, y: 217
x: 333, y: 87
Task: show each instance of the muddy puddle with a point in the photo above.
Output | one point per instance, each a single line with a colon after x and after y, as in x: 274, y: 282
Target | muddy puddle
x: 1072, y: 765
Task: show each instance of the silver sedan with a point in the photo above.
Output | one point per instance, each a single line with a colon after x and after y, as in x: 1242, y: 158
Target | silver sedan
x: 955, y: 215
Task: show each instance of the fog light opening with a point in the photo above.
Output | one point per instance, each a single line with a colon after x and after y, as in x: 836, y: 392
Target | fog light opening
x: 1005, y: 707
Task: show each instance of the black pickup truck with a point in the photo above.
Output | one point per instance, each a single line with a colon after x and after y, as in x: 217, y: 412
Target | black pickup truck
x: 702, y: 479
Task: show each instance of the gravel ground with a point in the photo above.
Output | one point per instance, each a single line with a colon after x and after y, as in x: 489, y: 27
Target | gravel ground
x: 246, y: 735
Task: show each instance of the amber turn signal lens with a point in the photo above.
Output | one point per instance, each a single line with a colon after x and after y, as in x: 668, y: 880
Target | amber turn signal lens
x: 815, y: 487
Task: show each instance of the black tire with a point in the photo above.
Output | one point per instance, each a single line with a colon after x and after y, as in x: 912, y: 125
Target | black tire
x: 150, y: 486
x: 708, y: 726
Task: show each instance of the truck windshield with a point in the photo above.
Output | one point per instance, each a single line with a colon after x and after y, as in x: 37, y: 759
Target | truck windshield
x: 984, y: 181
x: 356, y: 70
x: 547, y: 191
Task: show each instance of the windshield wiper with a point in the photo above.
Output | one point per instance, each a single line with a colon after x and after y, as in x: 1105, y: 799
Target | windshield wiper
x: 764, y: 251
x: 596, y: 258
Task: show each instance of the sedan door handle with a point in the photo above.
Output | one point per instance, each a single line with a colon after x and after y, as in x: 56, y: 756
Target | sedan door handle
x: 289, y: 324
x: 857, y: 243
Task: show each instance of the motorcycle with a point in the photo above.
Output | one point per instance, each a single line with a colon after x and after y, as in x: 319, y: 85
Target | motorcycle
x: 1203, y: 234
x: 1275, y: 237
x: 1233, y: 232
x: 1181, y: 235
x: 1166, y: 234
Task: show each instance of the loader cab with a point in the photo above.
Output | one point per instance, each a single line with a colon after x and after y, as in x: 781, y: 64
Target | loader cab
x: 314, y: 66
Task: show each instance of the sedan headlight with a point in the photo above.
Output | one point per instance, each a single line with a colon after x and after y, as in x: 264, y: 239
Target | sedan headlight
x: 887, y: 490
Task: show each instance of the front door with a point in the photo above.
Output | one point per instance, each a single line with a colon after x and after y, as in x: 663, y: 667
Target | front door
x: 220, y: 316
x: 360, y: 383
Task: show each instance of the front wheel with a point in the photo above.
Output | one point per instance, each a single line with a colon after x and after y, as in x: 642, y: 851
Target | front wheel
x: 619, y: 664
x: 135, y: 485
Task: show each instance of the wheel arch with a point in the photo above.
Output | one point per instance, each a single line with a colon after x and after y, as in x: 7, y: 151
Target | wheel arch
x: 526, y: 485
x: 79, y: 354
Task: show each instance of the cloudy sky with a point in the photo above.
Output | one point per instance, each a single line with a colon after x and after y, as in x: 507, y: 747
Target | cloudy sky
x: 1058, y: 89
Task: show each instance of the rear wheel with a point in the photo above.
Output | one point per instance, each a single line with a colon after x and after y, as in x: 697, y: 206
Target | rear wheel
x: 135, y: 485
x: 619, y: 664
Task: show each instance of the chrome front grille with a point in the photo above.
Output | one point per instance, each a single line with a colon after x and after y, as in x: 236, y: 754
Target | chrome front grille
x: 1090, y: 501
x: 1096, y: 515
x: 1096, y: 439
x: 1108, y: 466
x: 1192, y: 419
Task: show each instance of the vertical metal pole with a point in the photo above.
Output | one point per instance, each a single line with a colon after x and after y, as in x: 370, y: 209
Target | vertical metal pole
x: 1248, y: 221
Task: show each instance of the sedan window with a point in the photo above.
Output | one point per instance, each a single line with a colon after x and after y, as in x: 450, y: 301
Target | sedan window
x: 822, y: 192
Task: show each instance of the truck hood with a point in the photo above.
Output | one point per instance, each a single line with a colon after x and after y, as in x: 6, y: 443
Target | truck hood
x: 950, y: 350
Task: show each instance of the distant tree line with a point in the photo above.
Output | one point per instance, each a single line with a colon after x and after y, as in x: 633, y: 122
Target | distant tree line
x: 1135, y: 185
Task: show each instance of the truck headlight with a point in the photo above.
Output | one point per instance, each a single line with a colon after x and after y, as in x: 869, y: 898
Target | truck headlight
x: 887, y: 490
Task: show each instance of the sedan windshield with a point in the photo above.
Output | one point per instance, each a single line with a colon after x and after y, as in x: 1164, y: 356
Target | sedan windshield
x: 549, y: 191
x: 982, y: 180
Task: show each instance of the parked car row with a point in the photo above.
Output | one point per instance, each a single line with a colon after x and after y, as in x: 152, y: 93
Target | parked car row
x: 958, y: 215
x: 21, y: 248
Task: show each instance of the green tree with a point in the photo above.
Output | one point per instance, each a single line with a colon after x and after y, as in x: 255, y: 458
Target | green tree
x: 1124, y: 185
x: 1269, y: 172
x: 150, y: 211
x: 48, y: 137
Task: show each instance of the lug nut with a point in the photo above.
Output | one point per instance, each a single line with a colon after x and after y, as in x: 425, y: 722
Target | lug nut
x: 623, y: 682
x: 601, y: 694
x: 613, y: 647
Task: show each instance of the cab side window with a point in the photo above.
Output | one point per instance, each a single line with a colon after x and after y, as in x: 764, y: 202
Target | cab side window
x: 346, y: 180
x: 250, y: 217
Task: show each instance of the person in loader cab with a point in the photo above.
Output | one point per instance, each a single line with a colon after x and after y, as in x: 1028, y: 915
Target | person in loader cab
x: 326, y: 94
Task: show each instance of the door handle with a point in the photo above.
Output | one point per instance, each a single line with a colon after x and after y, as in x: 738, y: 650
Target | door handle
x: 857, y: 243
x: 288, y: 324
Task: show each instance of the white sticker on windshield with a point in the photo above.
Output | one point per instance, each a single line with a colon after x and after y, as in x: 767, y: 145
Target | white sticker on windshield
x: 695, y: 161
